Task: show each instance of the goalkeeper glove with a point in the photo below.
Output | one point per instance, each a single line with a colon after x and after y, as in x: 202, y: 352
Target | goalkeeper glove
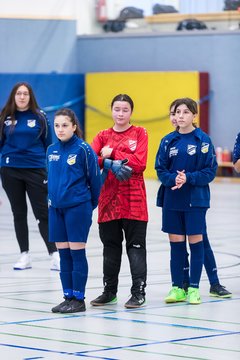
x: 119, y: 169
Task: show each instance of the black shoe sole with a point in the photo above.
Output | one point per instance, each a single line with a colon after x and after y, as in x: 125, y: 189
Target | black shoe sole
x: 70, y: 311
x: 135, y: 306
x: 112, y: 302
x: 102, y: 304
x: 55, y: 311
x: 96, y: 304
x: 221, y: 296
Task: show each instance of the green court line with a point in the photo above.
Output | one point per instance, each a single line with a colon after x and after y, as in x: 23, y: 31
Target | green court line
x: 208, y: 347
x: 170, y: 355
x: 198, y: 328
x: 87, y: 332
x: 129, y: 337
x: 24, y: 309
x: 104, y: 348
x: 56, y: 340
x: 117, y: 318
x: 189, y: 318
x: 29, y: 301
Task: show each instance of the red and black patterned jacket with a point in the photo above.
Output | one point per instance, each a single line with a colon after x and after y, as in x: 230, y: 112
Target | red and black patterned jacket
x: 125, y: 199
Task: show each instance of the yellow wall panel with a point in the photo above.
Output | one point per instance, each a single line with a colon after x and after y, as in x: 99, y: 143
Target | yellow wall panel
x: 152, y: 93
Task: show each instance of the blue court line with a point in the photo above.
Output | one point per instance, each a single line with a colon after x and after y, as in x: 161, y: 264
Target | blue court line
x: 223, y: 332
x: 192, y: 318
x: 56, y: 352
x: 43, y: 319
x: 101, y: 315
x: 164, y: 324
x: 90, y: 333
x: 87, y: 352
x: 162, y: 342
x: 67, y: 342
x: 164, y: 306
x: 87, y: 332
x: 208, y: 347
x: 111, y: 318
x: 116, y: 311
x: 128, y: 337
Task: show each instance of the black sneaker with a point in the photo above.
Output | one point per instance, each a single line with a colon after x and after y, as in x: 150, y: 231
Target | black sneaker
x: 56, y: 309
x: 218, y: 290
x: 73, y: 306
x: 135, y: 301
x: 107, y: 298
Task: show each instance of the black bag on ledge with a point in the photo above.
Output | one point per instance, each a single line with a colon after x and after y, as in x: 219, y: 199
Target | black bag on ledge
x: 130, y: 12
x: 163, y: 9
x: 191, y: 24
x: 114, y: 26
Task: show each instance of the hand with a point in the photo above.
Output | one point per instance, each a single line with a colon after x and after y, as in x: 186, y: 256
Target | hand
x: 106, y: 152
x: 180, y: 180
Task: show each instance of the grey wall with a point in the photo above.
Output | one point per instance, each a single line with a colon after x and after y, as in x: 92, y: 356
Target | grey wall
x: 216, y: 53
x: 203, y: 6
x: 35, y: 46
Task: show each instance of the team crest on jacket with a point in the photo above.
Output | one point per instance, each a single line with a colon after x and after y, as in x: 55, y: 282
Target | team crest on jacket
x: 191, y: 149
x: 132, y: 144
x: 71, y: 159
x: 8, y: 122
x: 204, y: 147
x: 31, y: 123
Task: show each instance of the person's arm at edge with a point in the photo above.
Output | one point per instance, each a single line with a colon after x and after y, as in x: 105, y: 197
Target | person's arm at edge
x: 236, y: 154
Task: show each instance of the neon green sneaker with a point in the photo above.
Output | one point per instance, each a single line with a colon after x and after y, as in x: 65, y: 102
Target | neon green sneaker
x: 194, y: 296
x: 176, y: 294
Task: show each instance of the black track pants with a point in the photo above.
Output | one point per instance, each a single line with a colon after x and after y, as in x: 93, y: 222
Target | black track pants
x: 112, y: 235
x: 17, y: 183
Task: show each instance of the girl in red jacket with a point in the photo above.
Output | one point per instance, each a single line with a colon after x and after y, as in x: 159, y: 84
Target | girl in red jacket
x: 122, y: 204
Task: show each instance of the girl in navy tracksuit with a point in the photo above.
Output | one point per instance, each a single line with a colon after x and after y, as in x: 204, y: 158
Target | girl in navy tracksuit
x: 24, y: 137
x: 185, y: 165
x: 236, y: 154
x: 73, y: 189
x: 216, y: 289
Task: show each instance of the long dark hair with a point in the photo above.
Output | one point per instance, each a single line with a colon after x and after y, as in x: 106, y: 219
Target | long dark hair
x: 10, y: 107
x: 73, y: 118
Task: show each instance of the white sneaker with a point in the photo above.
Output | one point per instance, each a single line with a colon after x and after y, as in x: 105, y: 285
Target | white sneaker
x: 24, y: 262
x: 55, y: 261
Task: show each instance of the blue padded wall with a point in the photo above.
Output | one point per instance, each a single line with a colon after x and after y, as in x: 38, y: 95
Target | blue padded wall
x: 52, y: 91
